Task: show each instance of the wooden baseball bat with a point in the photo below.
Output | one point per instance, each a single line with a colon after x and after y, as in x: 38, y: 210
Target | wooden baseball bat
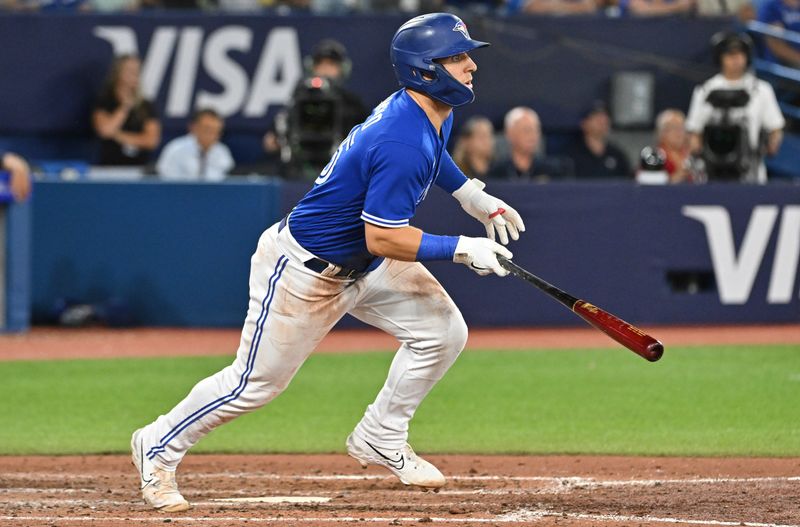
x: 626, y: 334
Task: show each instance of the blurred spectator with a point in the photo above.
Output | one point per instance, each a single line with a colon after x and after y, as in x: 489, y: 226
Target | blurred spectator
x: 19, y: 175
x: 743, y: 9
x: 331, y: 7
x: 785, y: 14
x: 321, y: 113
x: 293, y: 6
x: 560, y: 7
x: 242, y: 5
x: 44, y: 5
x: 734, y: 118
x: 474, y: 148
x: 471, y: 7
x: 672, y: 139
x: 198, y: 155
x: 405, y: 6
x: 523, y: 131
x: 113, y: 6
x: 656, y: 7
x: 593, y: 156
x: 179, y: 4
x: 279, y: 7
x: 126, y: 122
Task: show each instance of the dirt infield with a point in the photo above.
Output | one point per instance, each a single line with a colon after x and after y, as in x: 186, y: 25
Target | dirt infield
x: 46, y: 343
x: 481, y: 490
x: 332, y: 490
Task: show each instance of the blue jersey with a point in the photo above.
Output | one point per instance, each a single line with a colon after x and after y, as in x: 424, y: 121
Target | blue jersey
x: 779, y: 12
x: 379, y: 174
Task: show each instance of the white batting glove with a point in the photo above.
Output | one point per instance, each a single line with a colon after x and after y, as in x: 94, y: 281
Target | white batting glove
x: 495, y: 214
x: 480, y: 255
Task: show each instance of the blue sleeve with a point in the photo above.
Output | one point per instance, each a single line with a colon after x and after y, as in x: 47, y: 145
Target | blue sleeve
x: 770, y: 12
x: 397, y: 175
x: 450, y: 176
x: 513, y: 6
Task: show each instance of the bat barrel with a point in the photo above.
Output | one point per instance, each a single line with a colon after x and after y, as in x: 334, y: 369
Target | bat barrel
x: 626, y: 334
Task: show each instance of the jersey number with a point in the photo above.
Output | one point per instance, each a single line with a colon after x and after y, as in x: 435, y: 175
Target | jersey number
x: 349, y: 141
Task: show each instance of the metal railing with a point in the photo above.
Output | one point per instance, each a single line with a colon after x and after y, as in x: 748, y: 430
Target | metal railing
x: 772, y: 69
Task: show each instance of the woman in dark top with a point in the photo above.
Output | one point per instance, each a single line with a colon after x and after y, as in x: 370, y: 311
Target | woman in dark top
x: 126, y: 123
x: 474, y: 148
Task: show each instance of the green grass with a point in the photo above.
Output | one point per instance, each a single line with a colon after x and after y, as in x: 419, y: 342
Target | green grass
x: 695, y: 401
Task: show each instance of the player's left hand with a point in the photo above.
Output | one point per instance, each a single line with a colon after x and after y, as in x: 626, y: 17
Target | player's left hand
x: 496, y: 215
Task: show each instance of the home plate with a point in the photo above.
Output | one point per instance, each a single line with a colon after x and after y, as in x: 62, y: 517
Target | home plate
x: 275, y: 499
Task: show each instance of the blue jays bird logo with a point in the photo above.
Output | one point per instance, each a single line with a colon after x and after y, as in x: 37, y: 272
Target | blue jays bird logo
x: 461, y: 27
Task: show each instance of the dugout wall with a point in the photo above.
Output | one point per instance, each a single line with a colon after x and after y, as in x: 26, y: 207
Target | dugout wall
x: 178, y: 254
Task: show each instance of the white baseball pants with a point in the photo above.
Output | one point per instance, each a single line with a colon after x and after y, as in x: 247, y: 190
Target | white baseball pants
x: 291, y: 309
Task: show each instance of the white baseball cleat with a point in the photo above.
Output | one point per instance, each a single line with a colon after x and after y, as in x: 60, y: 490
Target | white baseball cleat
x: 159, y: 488
x: 404, y: 463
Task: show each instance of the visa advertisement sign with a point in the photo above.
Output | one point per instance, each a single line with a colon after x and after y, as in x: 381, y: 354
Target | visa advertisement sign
x: 735, y: 269
x: 175, y: 57
x: 245, y: 66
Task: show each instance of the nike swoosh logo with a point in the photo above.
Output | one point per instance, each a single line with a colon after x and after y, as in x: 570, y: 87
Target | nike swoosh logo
x: 396, y: 463
x: 479, y: 269
x: 141, y: 466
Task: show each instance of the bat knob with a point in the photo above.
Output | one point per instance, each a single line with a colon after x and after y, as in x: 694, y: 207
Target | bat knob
x: 655, y: 351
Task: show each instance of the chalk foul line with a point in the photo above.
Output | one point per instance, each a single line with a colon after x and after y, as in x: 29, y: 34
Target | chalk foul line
x: 511, y: 518
x: 534, y: 514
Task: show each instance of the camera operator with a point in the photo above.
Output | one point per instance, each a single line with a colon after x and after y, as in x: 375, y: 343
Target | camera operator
x: 734, y: 118
x: 321, y: 113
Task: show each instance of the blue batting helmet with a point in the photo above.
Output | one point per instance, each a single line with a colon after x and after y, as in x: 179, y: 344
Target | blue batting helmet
x: 419, y: 42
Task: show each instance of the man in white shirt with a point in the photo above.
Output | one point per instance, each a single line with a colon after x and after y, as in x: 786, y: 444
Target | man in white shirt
x: 732, y: 53
x: 198, y: 155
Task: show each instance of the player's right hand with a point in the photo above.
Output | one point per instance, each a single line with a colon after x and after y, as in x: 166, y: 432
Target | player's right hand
x: 495, y: 214
x: 480, y: 255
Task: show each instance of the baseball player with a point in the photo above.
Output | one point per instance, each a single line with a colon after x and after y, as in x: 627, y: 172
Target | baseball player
x: 347, y: 247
